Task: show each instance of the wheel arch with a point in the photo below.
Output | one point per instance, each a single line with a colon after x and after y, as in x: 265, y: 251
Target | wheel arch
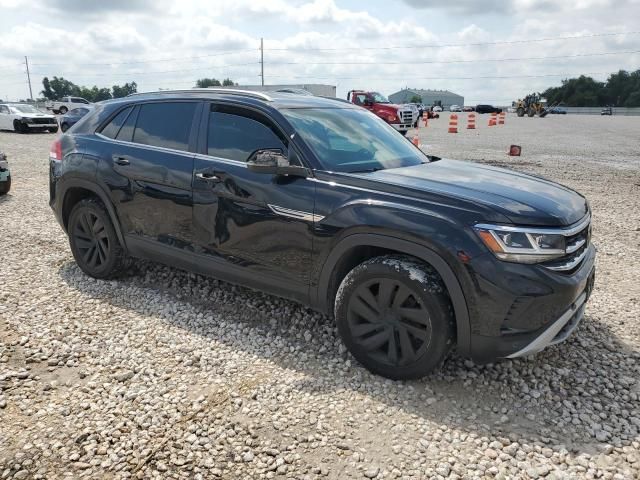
x: 356, y: 248
x: 81, y: 189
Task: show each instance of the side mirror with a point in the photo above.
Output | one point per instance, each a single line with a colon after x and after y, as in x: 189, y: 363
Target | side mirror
x: 274, y: 162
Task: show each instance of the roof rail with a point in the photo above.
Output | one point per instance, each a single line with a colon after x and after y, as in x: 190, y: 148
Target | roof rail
x: 228, y: 91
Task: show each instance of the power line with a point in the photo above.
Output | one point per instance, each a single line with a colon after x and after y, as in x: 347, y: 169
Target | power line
x: 129, y: 74
x: 505, y: 42
x: 488, y: 77
x: 414, y: 62
x: 220, y: 54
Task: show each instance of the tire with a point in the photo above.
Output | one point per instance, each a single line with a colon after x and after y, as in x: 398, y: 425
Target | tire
x: 54, y: 130
x: 520, y: 111
x: 94, y: 242
x: 395, y: 317
x: 5, y: 186
x: 531, y: 112
x: 19, y: 127
x: 404, y: 132
x: 64, y: 127
x: 63, y: 110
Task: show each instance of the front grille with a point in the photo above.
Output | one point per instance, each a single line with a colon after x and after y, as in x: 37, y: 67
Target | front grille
x: 406, y: 116
x: 42, y: 121
x: 577, y: 246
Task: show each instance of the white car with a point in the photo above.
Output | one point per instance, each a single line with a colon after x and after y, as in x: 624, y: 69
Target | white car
x: 437, y: 108
x: 455, y: 108
x: 66, y: 103
x: 23, y: 118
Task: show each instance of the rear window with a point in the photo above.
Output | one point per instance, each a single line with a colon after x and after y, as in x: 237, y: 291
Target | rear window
x: 165, y: 125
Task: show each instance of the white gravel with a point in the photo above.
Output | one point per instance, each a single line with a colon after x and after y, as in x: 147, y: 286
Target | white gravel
x: 166, y: 374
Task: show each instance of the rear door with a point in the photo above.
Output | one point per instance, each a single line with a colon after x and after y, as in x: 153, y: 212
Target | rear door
x: 148, y: 169
x: 258, y: 225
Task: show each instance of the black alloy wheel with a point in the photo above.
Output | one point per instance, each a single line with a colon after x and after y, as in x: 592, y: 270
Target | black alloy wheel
x: 395, y: 316
x: 94, y: 242
x: 387, y: 319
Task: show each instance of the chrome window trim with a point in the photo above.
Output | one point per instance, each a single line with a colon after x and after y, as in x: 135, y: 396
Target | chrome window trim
x: 204, y: 156
x: 150, y: 147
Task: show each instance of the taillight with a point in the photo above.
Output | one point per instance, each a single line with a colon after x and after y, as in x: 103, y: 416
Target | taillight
x: 55, y: 153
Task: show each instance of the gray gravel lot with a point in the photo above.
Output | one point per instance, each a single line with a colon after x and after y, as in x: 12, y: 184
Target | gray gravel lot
x: 166, y: 374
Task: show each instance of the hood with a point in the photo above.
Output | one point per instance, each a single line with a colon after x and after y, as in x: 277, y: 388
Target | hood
x: 524, y: 199
x: 35, y: 115
x: 388, y: 107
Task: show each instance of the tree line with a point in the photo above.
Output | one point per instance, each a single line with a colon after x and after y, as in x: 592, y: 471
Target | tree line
x: 621, y: 89
x: 59, y: 87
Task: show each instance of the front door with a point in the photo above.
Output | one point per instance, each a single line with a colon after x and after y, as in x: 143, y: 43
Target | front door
x: 257, y: 224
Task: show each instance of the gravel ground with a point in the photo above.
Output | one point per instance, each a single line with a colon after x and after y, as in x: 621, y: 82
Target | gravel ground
x: 165, y: 374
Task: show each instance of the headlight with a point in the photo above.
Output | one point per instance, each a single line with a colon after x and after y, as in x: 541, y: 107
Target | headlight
x: 522, y: 245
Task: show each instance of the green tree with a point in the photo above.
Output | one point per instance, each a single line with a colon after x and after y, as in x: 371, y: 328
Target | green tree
x: 416, y: 99
x: 58, y: 87
x: 118, y: 91
x: 208, y: 82
x: 622, y: 89
x: 227, y: 82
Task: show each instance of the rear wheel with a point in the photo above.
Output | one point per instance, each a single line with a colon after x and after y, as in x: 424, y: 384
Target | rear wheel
x: 94, y: 242
x: 531, y: 112
x: 394, y: 315
x: 520, y: 111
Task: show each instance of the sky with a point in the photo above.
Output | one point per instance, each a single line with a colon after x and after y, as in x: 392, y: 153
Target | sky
x: 490, y: 51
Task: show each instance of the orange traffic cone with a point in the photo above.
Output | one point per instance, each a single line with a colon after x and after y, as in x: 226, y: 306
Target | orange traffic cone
x: 453, y: 123
x: 471, y: 121
x: 515, y: 150
x: 492, y: 120
x: 425, y: 117
x: 416, y: 141
x: 501, y: 118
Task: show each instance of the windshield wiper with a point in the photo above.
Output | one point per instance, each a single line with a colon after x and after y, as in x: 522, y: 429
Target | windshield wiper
x: 367, y: 170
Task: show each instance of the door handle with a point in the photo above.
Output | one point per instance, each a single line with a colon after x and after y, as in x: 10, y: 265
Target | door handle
x: 208, y: 177
x: 121, y: 160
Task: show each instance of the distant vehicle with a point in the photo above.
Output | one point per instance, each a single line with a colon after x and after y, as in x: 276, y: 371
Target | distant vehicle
x: 558, y: 111
x: 5, y: 175
x: 468, y: 109
x: 437, y: 108
x: 23, y: 118
x: 70, y: 118
x: 65, y: 104
x: 606, y: 111
x: 488, y: 109
x: 455, y: 108
x: 400, y: 117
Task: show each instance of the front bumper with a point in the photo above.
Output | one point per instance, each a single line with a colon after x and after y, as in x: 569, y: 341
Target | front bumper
x: 53, y: 124
x: 518, y: 310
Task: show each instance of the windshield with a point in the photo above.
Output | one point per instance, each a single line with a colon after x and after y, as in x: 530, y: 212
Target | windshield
x: 24, y: 109
x: 379, y: 98
x: 352, y: 140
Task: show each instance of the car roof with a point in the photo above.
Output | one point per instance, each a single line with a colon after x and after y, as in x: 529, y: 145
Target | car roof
x: 274, y: 99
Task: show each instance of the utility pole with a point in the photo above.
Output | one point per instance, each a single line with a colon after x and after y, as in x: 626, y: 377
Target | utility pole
x: 261, y: 60
x: 26, y: 62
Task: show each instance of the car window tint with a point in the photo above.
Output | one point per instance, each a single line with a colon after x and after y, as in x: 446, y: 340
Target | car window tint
x: 165, y: 125
x: 126, y: 132
x: 236, y: 137
x: 113, y: 127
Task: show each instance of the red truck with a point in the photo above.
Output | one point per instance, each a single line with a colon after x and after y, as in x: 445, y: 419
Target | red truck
x: 400, y: 117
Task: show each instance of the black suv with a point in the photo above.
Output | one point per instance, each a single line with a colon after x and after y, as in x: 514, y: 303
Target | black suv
x: 322, y: 202
x: 487, y: 109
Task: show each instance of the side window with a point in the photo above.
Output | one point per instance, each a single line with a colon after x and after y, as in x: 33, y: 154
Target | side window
x: 113, y: 127
x: 235, y: 137
x: 165, y: 125
x: 4, y: 109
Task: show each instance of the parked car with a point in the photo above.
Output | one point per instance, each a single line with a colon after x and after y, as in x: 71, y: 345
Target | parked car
x: 436, y: 108
x: 65, y: 104
x: 400, y: 117
x: 558, y: 111
x: 5, y: 175
x: 70, y: 118
x: 487, y: 109
x: 455, y: 108
x: 606, y: 111
x: 468, y: 109
x: 23, y: 118
x: 322, y: 202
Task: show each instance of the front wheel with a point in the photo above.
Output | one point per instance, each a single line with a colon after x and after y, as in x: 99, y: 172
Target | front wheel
x: 394, y: 315
x: 94, y: 242
x: 20, y: 127
x: 63, y: 110
x: 54, y: 130
x: 520, y: 111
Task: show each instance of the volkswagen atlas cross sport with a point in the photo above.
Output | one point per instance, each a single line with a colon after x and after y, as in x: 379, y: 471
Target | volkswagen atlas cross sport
x: 322, y: 202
